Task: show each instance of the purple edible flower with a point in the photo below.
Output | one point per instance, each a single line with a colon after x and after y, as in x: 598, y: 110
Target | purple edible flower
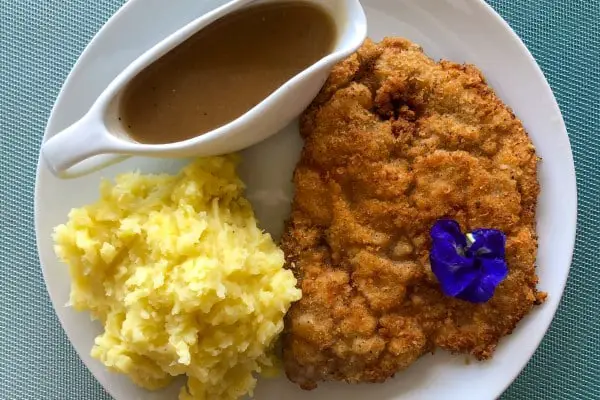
x: 468, y: 267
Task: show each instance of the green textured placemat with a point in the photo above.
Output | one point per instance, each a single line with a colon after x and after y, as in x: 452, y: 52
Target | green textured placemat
x: 41, y: 39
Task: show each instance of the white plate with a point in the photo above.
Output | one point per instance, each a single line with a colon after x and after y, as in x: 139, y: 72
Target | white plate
x: 460, y: 30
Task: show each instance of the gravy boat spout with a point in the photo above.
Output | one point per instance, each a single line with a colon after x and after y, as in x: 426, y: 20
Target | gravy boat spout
x: 73, y: 152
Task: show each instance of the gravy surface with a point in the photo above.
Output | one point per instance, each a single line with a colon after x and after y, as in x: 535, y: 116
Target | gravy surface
x: 224, y: 70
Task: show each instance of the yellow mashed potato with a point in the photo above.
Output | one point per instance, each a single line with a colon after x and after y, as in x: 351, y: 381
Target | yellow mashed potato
x: 182, y: 279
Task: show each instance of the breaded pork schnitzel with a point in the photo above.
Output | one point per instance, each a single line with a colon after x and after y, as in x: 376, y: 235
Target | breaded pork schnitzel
x: 393, y: 142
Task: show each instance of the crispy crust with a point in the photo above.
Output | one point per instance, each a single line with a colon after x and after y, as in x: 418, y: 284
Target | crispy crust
x: 393, y: 142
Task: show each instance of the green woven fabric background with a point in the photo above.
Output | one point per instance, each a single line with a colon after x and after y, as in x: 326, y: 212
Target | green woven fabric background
x: 40, y: 41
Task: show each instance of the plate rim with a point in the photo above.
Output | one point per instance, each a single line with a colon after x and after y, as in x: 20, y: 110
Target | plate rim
x: 516, y: 40
x: 573, y: 211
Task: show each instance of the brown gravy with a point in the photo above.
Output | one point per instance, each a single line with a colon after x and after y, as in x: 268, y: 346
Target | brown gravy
x: 224, y: 70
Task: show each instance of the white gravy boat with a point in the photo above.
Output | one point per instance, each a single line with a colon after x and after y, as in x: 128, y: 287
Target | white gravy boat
x: 71, y: 152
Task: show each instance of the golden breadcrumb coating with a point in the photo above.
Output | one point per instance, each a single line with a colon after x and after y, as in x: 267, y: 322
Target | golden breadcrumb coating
x: 393, y: 142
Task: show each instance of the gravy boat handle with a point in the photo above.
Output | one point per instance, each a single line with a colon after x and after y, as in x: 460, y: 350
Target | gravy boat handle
x: 67, y: 152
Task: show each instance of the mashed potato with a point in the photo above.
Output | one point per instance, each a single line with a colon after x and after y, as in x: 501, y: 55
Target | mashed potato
x: 181, y: 277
